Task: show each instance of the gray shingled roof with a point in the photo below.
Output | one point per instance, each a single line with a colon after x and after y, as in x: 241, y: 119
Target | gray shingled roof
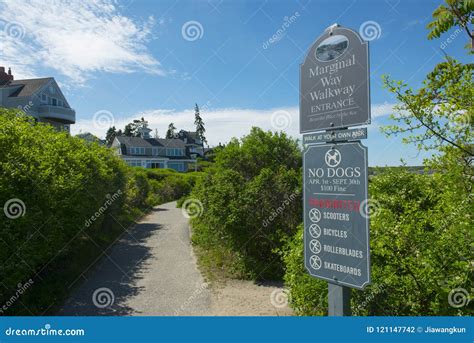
x: 151, y: 142
x: 30, y: 86
x: 190, y: 135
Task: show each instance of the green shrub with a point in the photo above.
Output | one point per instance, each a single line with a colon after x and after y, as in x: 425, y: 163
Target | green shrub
x: 252, y: 200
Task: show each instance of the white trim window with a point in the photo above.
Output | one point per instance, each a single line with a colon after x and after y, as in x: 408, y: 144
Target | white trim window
x: 178, y: 166
x: 174, y: 152
x: 134, y: 163
x: 137, y: 150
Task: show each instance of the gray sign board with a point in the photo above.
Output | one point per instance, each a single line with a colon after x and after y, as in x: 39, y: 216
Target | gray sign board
x: 335, y: 136
x: 334, y: 82
x: 336, y: 223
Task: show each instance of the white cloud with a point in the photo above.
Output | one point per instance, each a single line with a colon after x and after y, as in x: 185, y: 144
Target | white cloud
x: 221, y: 124
x: 382, y: 110
x: 76, y: 38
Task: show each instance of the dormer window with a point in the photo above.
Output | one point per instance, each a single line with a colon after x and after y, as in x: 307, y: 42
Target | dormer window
x: 44, y: 98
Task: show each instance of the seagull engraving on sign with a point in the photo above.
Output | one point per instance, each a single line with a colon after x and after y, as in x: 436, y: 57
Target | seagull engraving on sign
x: 315, y: 230
x: 315, y: 262
x: 314, y: 215
x: 332, y: 158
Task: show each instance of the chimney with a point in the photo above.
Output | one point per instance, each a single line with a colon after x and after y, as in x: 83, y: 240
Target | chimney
x: 4, y: 77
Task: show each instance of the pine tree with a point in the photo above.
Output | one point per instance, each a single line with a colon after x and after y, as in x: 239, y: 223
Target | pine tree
x: 200, y: 130
x: 171, y: 133
x: 110, y: 135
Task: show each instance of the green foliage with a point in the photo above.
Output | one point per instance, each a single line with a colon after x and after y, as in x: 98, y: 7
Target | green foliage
x: 308, y: 296
x: 110, y: 135
x: 452, y: 13
x: 171, y: 132
x: 421, y: 233
x: 439, y: 114
x: 169, y: 185
x: 133, y: 129
x: 200, y: 130
x: 89, y: 137
x: 251, y: 198
x: 79, y: 197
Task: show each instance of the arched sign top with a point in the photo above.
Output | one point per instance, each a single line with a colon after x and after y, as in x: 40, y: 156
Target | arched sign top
x: 334, y: 82
x: 331, y: 32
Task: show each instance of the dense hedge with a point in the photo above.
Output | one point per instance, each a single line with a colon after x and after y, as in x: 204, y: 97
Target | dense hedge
x: 421, y: 231
x: 78, y: 198
x: 251, y: 198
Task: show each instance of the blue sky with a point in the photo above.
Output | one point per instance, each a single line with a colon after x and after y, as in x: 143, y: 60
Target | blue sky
x: 120, y: 60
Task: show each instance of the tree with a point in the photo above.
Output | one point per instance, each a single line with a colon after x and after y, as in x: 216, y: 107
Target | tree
x: 133, y: 129
x: 156, y: 135
x: 87, y: 136
x: 452, y: 13
x: 440, y: 114
x: 110, y: 135
x: 200, y: 130
x: 171, y: 133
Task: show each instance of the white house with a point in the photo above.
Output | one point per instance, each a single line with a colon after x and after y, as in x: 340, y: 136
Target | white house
x: 40, y: 98
x: 153, y: 152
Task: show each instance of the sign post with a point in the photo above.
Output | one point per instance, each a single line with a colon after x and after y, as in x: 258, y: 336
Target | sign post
x: 334, y: 95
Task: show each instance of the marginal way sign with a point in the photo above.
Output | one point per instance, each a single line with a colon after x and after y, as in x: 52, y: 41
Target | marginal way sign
x: 334, y: 82
x: 336, y: 221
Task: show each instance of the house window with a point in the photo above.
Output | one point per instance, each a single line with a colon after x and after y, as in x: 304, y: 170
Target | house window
x: 134, y: 163
x: 174, y: 152
x: 55, y: 102
x: 157, y: 151
x: 44, y: 98
x: 137, y: 150
x: 178, y: 166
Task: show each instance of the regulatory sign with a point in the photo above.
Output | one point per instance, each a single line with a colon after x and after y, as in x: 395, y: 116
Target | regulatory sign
x: 334, y: 82
x: 335, y: 136
x: 336, y: 222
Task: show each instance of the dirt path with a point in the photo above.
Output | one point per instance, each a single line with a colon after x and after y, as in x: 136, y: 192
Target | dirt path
x: 152, y: 271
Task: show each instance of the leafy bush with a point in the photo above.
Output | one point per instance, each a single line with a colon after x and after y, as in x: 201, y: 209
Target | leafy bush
x: 78, y: 199
x: 420, y: 250
x: 251, y: 198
